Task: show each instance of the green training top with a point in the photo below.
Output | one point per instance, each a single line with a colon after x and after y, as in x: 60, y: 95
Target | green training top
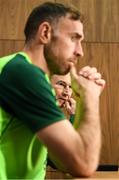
x: 28, y: 104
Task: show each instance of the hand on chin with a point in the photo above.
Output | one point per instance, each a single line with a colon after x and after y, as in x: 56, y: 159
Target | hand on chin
x: 61, y: 102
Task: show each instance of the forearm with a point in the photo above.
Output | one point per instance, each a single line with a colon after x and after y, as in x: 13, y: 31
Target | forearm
x: 90, y: 131
x: 55, y: 163
x: 87, y: 124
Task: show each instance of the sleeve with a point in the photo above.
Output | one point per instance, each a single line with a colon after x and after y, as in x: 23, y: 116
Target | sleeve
x: 26, y: 93
x: 72, y: 116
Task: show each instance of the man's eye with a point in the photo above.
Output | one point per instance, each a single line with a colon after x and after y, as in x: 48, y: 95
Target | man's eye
x: 73, y: 38
x: 60, y: 83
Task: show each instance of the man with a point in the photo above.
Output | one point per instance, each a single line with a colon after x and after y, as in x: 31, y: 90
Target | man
x: 31, y: 121
x: 63, y: 89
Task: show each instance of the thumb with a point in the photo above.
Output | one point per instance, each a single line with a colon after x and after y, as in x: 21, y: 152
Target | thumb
x: 73, y: 72
x: 74, y: 80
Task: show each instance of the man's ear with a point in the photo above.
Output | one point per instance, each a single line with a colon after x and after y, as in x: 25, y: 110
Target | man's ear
x: 44, y: 32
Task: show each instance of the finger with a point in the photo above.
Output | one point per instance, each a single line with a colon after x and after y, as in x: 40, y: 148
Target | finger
x: 74, y: 81
x: 72, y: 105
x: 87, y: 71
x: 85, y: 68
x: 72, y: 101
x: 61, y: 102
x: 73, y: 72
x: 100, y: 82
x: 68, y: 107
x: 94, y: 76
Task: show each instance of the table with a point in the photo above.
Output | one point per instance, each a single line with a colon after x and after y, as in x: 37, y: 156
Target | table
x: 103, y: 175
x: 98, y: 175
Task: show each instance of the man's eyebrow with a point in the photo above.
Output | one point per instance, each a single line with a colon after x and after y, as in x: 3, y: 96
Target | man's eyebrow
x: 78, y: 36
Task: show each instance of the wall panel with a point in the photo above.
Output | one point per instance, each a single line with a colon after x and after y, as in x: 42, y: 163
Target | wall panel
x: 13, y: 15
x: 105, y: 57
x: 10, y: 46
x: 101, y: 19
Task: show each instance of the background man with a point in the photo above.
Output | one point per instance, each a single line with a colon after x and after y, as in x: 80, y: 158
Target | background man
x: 63, y: 89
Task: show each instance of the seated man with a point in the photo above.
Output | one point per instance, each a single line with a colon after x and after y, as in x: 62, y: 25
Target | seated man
x: 31, y: 123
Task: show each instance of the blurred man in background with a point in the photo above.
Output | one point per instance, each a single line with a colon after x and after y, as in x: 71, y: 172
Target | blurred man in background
x: 62, y: 86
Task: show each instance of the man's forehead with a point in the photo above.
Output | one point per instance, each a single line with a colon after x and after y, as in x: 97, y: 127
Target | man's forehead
x: 65, y: 78
x: 71, y: 25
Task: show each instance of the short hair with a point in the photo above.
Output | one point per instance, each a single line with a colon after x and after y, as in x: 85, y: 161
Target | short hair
x: 50, y: 12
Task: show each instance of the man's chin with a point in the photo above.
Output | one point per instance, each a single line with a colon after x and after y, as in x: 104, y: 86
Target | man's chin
x: 66, y: 71
x: 61, y: 105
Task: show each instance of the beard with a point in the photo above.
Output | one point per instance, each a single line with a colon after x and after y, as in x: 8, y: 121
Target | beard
x: 55, y: 64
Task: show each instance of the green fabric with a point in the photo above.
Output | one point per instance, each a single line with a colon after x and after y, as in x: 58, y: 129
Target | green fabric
x: 6, y: 59
x: 2, y: 167
x: 29, y: 94
x: 72, y: 117
x: 27, y: 105
x: 24, y: 156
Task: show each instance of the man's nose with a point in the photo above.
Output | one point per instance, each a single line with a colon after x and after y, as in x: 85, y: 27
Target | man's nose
x: 66, y: 91
x: 79, y: 50
x: 65, y: 95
